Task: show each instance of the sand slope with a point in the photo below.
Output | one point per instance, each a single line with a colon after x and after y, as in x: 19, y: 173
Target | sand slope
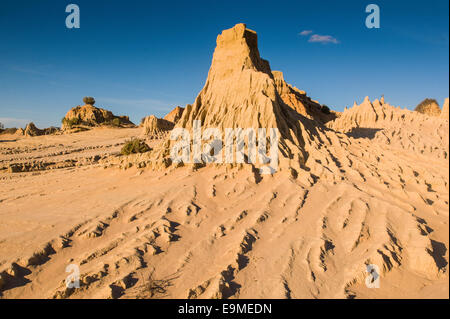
x: 223, y: 232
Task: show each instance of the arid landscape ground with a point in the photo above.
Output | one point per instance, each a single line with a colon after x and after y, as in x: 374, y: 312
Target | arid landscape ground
x: 367, y: 186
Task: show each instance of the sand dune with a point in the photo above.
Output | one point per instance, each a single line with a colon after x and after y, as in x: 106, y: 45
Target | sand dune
x: 221, y: 234
x: 371, y: 186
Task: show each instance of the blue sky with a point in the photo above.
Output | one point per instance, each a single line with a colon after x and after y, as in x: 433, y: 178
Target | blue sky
x: 145, y: 57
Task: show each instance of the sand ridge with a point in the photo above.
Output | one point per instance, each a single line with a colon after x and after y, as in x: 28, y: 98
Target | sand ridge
x: 305, y: 237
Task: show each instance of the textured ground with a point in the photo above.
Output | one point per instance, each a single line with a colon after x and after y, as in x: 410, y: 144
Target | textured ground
x: 224, y: 232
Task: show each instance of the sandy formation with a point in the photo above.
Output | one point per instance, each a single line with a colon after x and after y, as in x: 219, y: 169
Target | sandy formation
x: 12, y: 130
x: 156, y: 127
x: 300, y: 102
x: 242, y: 92
x: 32, y: 130
x: 370, y: 187
x: 386, y: 124
x: 88, y: 116
x: 174, y: 115
x: 21, y: 154
x: 444, y: 112
x: 429, y: 107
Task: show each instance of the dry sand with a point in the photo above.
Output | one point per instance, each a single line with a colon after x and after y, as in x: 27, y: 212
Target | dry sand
x: 218, y: 232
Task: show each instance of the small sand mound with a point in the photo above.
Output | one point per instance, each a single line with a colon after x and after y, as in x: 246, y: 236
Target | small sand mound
x: 90, y: 116
x: 32, y: 130
x: 429, y: 107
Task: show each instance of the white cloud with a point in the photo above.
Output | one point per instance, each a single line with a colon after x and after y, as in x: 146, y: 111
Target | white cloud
x: 305, y: 32
x: 34, y: 70
x: 324, y: 39
x: 13, y: 122
x: 142, y: 103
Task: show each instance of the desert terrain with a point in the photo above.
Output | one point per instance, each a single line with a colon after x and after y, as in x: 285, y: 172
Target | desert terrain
x: 368, y: 186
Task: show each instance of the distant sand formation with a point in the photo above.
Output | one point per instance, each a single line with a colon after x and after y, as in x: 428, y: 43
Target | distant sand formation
x: 393, y: 125
x: 428, y: 107
x: 31, y: 130
x: 88, y: 116
x: 174, y: 115
x: 156, y: 127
